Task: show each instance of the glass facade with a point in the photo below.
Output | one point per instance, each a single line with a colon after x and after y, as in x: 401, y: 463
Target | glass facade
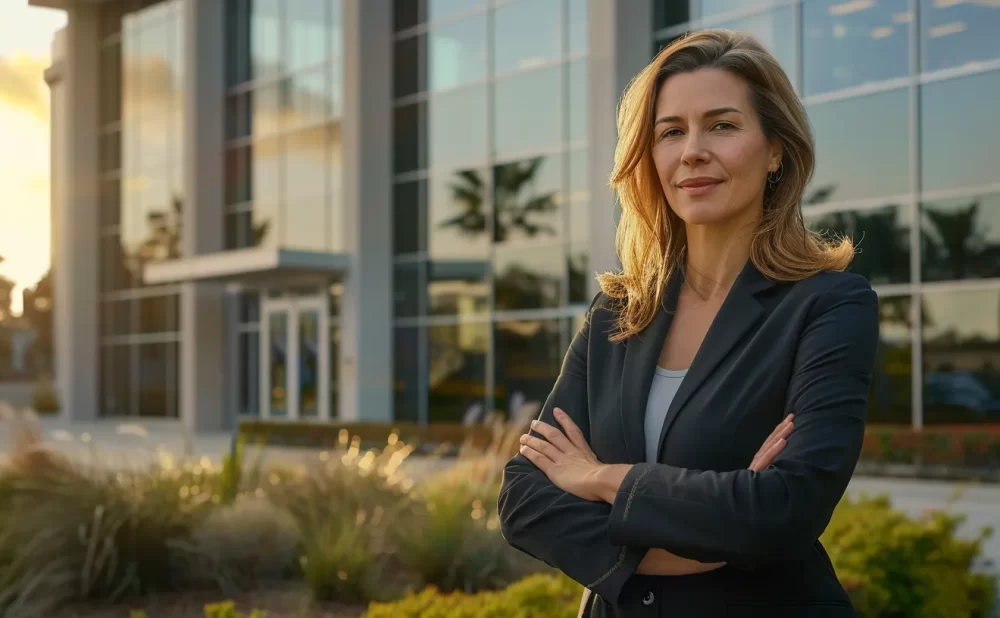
x: 903, y: 167
x: 490, y: 198
x: 490, y: 202
x: 141, y: 204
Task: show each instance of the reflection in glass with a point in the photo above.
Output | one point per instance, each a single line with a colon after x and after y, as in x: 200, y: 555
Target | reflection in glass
x: 406, y: 373
x: 152, y: 383
x: 891, y: 395
x: 848, y: 167
x: 266, y: 113
x: 308, y: 362
x: 526, y: 199
x: 305, y: 22
x: 711, y: 8
x: 263, y: 230
x: 249, y: 373
x: 277, y: 362
x: 668, y: 13
x: 409, y: 206
x: 848, y: 44
x: 265, y: 38
x: 158, y: 314
x: 773, y: 29
x: 457, y: 127
x: 265, y: 162
x: 578, y: 99
x: 409, y: 149
x: 951, y: 113
x: 578, y: 27
x: 526, y: 34
x: 407, y: 285
x: 237, y: 175
x: 305, y: 100
x: 528, y: 356
x: 114, y: 274
x: 528, y: 278
x: 458, y: 287
x: 578, y: 273
x: 961, y: 354
x: 961, y: 238
x: 456, y: 218
x: 881, y: 238
x: 958, y: 34
x: 305, y: 224
x: 441, y: 9
x: 456, y: 367
x: 305, y: 164
x: 409, y: 55
x: 458, y: 53
x: 116, y: 380
x: 528, y: 112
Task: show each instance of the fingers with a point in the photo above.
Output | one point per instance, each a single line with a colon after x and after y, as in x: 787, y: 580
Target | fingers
x: 552, y: 434
x: 574, y: 433
x: 542, y: 446
x: 768, y: 451
x: 764, y: 460
x: 780, y: 427
x: 540, y: 460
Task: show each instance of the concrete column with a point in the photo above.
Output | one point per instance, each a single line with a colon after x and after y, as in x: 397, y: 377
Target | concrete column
x: 620, y: 45
x: 203, y: 325
x: 366, y: 333
x: 75, y: 202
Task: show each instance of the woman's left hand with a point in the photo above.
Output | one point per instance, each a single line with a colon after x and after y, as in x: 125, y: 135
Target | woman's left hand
x: 565, y: 458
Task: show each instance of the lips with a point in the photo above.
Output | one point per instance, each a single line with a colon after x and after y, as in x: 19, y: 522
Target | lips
x: 698, y: 186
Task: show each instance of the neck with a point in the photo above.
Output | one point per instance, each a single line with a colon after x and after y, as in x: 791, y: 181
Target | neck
x: 715, y: 257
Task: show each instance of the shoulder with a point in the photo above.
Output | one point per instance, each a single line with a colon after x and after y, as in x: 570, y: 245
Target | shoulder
x: 835, y: 295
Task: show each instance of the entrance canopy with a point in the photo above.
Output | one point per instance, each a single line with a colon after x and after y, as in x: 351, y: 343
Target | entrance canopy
x: 253, y: 267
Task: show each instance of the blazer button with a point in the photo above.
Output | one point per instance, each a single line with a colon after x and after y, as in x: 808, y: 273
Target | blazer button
x: 649, y: 598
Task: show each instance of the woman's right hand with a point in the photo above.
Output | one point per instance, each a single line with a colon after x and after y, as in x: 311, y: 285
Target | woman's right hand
x: 661, y: 562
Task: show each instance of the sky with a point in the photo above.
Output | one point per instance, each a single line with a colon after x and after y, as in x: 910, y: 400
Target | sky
x: 25, y: 51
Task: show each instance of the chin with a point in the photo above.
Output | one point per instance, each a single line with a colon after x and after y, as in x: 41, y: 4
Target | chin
x: 705, y: 214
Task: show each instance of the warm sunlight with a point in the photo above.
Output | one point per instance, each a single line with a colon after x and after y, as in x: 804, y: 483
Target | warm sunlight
x: 25, y: 39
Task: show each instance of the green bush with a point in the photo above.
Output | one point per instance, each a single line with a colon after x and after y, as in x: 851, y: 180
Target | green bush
x: 896, y: 566
x: 539, y: 596
x: 460, y: 546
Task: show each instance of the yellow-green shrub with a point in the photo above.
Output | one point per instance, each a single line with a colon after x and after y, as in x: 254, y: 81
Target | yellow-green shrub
x: 539, y: 596
x: 894, y: 565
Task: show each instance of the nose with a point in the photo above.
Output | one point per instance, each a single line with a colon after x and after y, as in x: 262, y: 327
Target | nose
x: 694, y: 150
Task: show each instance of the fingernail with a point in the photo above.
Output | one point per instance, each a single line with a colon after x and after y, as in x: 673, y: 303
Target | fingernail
x: 534, y: 424
x: 523, y: 448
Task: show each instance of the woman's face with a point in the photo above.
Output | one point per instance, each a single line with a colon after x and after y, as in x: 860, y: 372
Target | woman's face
x: 710, y: 152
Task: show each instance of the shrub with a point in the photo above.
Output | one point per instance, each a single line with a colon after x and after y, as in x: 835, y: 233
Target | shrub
x: 460, y: 546
x: 44, y: 399
x: 71, y: 531
x: 244, y: 544
x: 340, y: 508
x: 539, y: 596
x: 970, y: 447
x: 893, y: 565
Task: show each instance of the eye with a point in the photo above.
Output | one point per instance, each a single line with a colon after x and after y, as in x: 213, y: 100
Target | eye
x: 674, y: 132
x: 725, y: 126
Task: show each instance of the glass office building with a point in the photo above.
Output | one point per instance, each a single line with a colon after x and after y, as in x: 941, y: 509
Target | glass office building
x: 394, y: 209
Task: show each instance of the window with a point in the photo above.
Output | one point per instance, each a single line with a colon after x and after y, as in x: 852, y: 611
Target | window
x: 456, y: 365
x: 959, y: 148
x: 881, y: 237
x: 848, y: 44
x: 862, y: 147
x: 955, y: 34
x: 961, y: 354
x: 961, y: 238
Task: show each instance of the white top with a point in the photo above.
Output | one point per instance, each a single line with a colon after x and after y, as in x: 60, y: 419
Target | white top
x: 661, y: 393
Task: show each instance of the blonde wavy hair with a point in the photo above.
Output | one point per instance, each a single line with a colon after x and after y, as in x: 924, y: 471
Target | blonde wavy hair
x: 650, y: 238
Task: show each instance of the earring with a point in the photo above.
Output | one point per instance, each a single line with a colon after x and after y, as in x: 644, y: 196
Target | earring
x: 774, y: 177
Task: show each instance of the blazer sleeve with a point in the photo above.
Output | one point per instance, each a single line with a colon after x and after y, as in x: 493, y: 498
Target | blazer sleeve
x: 751, y: 519
x: 543, y: 521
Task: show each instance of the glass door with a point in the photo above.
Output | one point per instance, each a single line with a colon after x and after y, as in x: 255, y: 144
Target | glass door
x: 295, y: 357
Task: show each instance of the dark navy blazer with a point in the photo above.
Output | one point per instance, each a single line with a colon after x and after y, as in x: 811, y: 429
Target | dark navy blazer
x: 806, y: 347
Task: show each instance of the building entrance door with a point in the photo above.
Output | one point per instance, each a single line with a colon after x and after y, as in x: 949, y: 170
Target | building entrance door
x: 294, y: 358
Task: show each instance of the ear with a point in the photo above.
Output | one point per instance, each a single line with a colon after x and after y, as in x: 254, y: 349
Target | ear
x: 775, y: 153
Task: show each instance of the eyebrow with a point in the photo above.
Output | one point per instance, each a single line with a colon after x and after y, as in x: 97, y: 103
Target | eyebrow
x: 709, y: 114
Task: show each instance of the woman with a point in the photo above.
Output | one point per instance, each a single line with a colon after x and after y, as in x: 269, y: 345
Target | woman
x: 665, y: 472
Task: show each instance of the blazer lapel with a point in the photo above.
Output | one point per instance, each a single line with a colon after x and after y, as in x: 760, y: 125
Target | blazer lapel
x: 739, y: 312
x: 642, y: 352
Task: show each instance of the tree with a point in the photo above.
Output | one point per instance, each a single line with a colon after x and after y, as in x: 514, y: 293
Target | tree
x: 38, y: 306
x: 6, y: 296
